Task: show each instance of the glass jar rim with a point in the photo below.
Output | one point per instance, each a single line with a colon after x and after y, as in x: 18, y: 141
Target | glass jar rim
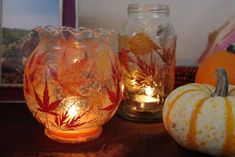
x: 151, y: 7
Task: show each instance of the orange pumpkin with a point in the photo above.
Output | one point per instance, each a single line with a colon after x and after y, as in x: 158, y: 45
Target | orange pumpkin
x: 220, y: 59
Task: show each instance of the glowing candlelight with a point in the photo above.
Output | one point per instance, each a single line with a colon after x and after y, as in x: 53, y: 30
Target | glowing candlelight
x: 72, y: 106
x: 149, y: 91
x: 75, y: 60
x: 148, y: 97
x: 145, y: 99
x: 72, y: 111
x: 73, y: 136
x: 61, y: 84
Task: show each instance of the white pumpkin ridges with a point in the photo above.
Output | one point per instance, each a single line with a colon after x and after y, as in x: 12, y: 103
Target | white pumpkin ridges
x: 211, y: 126
x: 229, y: 142
x: 169, y: 107
x: 173, y: 95
x: 177, y: 94
x: 192, y: 132
x: 181, y: 115
x: 200, y: 122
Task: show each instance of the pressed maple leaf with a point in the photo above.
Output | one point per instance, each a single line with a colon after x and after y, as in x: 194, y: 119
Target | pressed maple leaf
x: 124, y: 58
x: 71, y: 75
x: 168, y: 55
x: 44, y: 104
x: 116, y: 73
x: 64, y: 121
x: 141, y: 44
x: 114, y: 97
x: 60, y: 120
x: 74, y: 122
x: 146, y: 70
x: 147, y: 67
x: 110, y: 107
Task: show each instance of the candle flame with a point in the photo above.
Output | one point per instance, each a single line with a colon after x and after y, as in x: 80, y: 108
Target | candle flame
x: 75, y: 60
x: 149, y: 91
x: 73, y: 106
x: 72, y: 111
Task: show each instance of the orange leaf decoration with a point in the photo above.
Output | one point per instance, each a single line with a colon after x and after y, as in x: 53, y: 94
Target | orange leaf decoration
x: 114, y: 97
x: 70, y: 74
x: 124, y: 58
x: 66, y: 122
x: 141, y: 44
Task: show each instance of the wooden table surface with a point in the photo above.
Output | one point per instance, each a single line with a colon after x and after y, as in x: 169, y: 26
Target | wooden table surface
x: 22, y: 136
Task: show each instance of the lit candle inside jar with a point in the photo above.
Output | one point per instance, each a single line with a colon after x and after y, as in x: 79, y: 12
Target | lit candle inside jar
x: 72, y: 111
x: 148, y: 97
x: 149, y: 91
x: 81, y: 135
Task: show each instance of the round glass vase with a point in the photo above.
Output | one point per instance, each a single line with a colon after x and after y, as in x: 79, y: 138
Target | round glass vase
x: 147, y: 53
x: 72, y: 82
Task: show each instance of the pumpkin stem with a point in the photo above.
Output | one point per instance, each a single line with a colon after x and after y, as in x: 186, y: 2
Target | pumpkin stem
x: 231, y: 48
x: 221, y: 88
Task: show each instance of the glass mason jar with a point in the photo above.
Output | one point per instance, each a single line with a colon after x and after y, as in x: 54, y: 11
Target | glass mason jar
x: 147, y: 46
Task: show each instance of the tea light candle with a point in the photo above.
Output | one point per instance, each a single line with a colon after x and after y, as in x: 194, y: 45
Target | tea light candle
x: 148, y: 97
x: 61, y: 91
x: 149, y: 91
x: 72, y: 111
x: 72, y: 136
x: 143, y: 102
x: 145, y: 99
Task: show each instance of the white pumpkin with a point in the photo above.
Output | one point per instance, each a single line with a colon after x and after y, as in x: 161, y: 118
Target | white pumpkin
x: 200, y: 119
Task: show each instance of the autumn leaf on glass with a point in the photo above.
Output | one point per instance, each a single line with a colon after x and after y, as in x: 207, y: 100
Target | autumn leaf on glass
x: 72, y: 83
x: 114, y: 97
x: 66, y: 122
x: 147, y: 55
x: 44, y: 104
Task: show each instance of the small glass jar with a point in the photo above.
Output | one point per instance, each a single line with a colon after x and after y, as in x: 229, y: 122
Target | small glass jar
x: 147, y: 46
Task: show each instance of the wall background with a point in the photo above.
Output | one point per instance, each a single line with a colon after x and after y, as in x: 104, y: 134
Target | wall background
x: 192, y: 19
